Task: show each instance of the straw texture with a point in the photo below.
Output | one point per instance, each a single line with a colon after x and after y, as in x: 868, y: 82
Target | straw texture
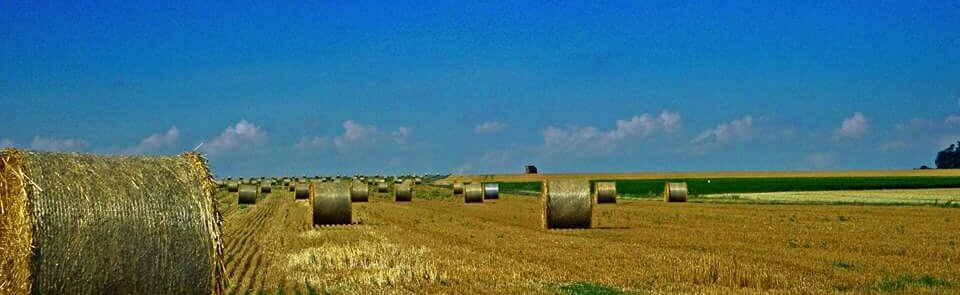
x: 566, y: 204
x: 331, y: 203
x: 605, y: 192
x: 88, y: 224
x: 359, y: 192
x: 675, y: 192
x: 302, y: 190
x: 248, y: 194
x: 473, y: 193
x: 491, y: 191
x: 403, y: 192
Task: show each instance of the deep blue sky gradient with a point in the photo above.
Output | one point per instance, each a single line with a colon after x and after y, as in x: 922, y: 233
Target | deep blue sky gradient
x: 111, y: 74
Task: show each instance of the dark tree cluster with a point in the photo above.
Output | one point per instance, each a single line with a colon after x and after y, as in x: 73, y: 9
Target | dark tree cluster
x: 949, y: 158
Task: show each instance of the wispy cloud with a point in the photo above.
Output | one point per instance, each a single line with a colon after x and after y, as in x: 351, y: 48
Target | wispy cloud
x: 739, y: 129
x: 819, y: 160
x: 577, y: 138
x: 155, y: 142
x: 243, y: 134
x: 489, y: 127
x: 307, y: 144
x: 359, y: 136
x: 6, y: 143
x: 58, y: 144
x: 854, y: 127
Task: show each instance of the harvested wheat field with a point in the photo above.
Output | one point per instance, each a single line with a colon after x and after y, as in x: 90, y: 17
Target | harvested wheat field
x: 437, y: 244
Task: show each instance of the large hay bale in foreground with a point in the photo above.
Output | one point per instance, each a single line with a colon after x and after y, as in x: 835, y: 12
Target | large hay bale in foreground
x: 248, y: 194
x: 403, y: 192
x: 473, y: 193
x: 301, y: 190
x: 382, y: 187
x: 331, y: 203
x: 566, y: 204
x: 491, y: 191
x: 457, y: 188
x: 359, y: 192
x: 675, y: 192
x: 266, y: 187
x: 233, y: 186
x: 89, y: 224
x: 605, y: 192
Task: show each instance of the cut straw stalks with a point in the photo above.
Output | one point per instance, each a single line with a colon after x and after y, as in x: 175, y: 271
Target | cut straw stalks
x: 675, y: 192
x: 605, y: 192
x: 90, y: 224
x: 473, y: 193
x: 331, y: 203
x: 248, y: 194
x: 566, y: 204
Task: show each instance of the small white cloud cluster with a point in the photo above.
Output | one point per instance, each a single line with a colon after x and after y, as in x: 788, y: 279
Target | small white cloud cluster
x: 240, y: 135
x: 357, y: 135
x: 739, y: 129
x: 155, y: 142
x: 856, y: 126
x: 638, y: 127
x: 58, y: 144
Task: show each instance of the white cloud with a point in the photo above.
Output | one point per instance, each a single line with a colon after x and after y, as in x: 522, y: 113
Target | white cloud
x: 310, y: 144
x: 853, y: 127
x: 739, y: 129
x: 6, y: 143
x: 58, y: 144
x: 819, y: 160
x: 952, y: 119
x: 639, y: 127
x: 489, y: 127
x: 155, y: 142
x: 241, y: 135
x: 357, y: 135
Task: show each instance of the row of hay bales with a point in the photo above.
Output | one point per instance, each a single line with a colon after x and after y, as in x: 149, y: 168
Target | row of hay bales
x: 565, y: 203
x: 91, y: 224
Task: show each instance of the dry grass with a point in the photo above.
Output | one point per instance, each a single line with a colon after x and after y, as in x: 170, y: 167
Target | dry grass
x: 439, y: 245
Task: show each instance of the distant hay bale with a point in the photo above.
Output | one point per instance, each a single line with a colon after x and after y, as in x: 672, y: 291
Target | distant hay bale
x: 418, y: 180
x: 675, y: 192
x: 473, y: 193
x: 605, y: 192
x: 331, y: 203
x: 286, y: 182
x: 403, y: 192
x: 566, y: 204
x: 233, y: 186
x: 248, y: 194
x: 266, y: 187
x: 90, y: 224
x: 359, y: 192
x: 491, y: 191
x: 382, y: 187
x: 457, y: 188
x: 301, y: 190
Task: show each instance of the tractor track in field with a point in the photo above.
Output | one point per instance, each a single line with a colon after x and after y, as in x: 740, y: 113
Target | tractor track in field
x: 244, y: 248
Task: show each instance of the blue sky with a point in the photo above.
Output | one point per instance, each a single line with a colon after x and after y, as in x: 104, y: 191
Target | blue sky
x: 344, y: 87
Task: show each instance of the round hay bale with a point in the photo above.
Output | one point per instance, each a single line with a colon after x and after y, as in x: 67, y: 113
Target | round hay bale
x: 403, y: 192
x: 248, y: 194
x: 92, y: 224
x: 301, y: 190
x: 566, y: 204
x: 359, y: 192
x: 382, y: 187
x: 473, y: 193
x: 605, y: 192
x: 233, y: 186
x: 266, y: 187
x: 418, y: 180
x: 457, y: 188
x: 675, y: 192
x: 331, y: 203
x: 491, y: 191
